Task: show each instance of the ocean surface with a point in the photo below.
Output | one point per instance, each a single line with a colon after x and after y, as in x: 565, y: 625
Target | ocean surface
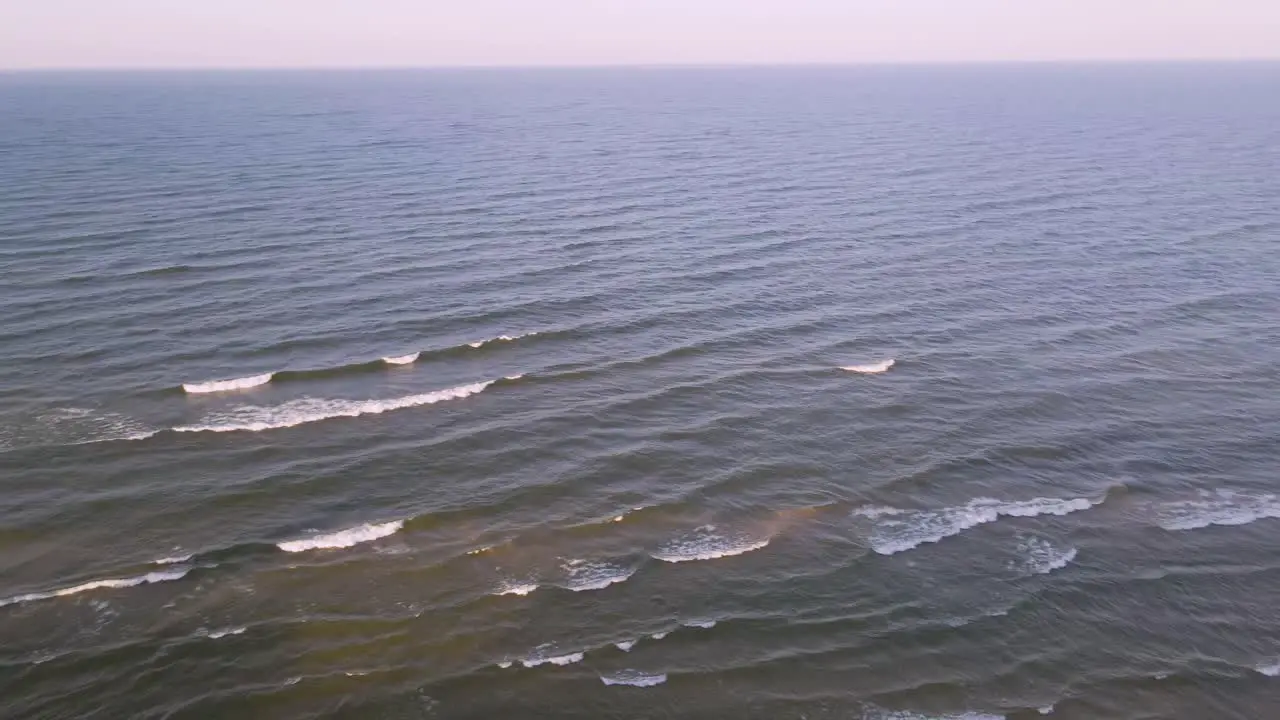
x: 896, y: 393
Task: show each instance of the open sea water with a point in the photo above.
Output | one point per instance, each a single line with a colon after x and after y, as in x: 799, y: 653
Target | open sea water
x: 897, y: 393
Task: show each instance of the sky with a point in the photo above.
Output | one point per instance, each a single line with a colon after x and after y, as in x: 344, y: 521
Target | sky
x: 429, y: 33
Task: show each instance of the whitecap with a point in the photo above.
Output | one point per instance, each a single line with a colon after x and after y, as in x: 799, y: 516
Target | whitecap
x: 1045, y: 710
x: 500, y: 338
x: 1041, y: 557
x: 306, y: 410
x: 897, y: 531
x: 659, y: 635
x: 877, y: 713
x: 634, y: 678
x: 589, y: 575
x: 113, y: 583
x: 505, y: 664
x: 401, y: 359
x: 704, y: 544
x: 870, y: 368
x: 226, y: 385
x: 625, y: 645
x: 1222, y: 507
x: 1269, y: 669
x: 343, y: 538
x: 704, y: 624
x: 542, y: 656
x: 516, y: 588
x: 215, y: 634
x: 172, y: 560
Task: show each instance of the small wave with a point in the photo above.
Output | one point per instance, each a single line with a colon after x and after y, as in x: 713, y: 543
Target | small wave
x: 1040, y: 557
x: 401, y: 359
x: 625, y: 645
x: 659, y: 635
x: 172, y: 560
x: 500, y: 338
x: 1269, y: 669
x: 516, y: 588
x: 216, y: 634
x: 307, y: 410
x: 878, y: 713
x: 704, y: 624
x: 114, y: 583
x: 542, y: 656
x: 505, y: 664
x: 901, y: 530
x: 634, y: 678
x: 870, y: 368
x: 585, y: 575
x: 343, y: 538
x: 705, y: 544
x: 1045, y: 709
x: 1218, y: 508
x: 243, y: 383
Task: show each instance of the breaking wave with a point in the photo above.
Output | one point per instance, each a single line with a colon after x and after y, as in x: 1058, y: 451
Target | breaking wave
x: 899, y: 530
x: 634, y: 678
x: 1222, y: 507
x: 343, y: 538
x: 401, y: 359
x: 243, y: 383
x: 306, y: 410
x: 870, y: 368
x: 114, y: 583
x: 706, y: 544
x: 588, y: 575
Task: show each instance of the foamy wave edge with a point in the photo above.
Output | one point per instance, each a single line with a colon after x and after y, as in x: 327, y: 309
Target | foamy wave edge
x: 870, y: 368
x: 212, y: 386
x: 500, y: 338
x: 307, y: 410
x: 633, y: 678
x: 113, y: 583
x: 401, y: 359
x: 901, y: 530
x: 343, y: 538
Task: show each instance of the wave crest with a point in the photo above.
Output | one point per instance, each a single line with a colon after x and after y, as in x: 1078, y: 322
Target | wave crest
x: 343, y: 538
x: 898, y: 530
x: 113, y: 583
x: 870, y: 368
x: 243, y: 383
x: 1222, y: 507
x: 401, y: 359
x: 305, y: 410
x: 634, y: 678
x: 706, y: 544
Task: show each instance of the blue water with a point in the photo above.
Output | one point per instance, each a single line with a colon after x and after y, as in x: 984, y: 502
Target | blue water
x: 639, y: 451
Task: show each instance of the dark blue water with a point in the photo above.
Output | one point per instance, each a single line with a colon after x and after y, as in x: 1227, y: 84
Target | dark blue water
x: 569, y: 393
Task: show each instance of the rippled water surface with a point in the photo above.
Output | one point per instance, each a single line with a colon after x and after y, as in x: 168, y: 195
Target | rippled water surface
x: 896, y: 394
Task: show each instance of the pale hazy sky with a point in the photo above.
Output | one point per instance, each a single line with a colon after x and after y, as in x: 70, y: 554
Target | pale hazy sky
x: 362, y: 33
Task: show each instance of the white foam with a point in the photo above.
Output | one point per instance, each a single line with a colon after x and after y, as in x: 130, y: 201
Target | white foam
x: 114, y: 583
x: 705, y: 544
x: 214, y: 635
x: 500, y: 338
x: 343, y: 538
x: 401, y: 359
x: 659, y: 635
x: 172, y: 560
x: 541, y: 656
x: 870, y: 368
x: 625, y: 645
x: 704, y: 624
x: 243, y: 383
x: 590, y: 575
x: 1222, y: 507
x: 901, y: 530
x: 877, y: 713
x: 516, y: 588
x: 1041, y: 557
x: 306, y: 410
x: 634, y: 678
x: 1045, y: 710
x: 1270, y: 669
x: 505, y: 664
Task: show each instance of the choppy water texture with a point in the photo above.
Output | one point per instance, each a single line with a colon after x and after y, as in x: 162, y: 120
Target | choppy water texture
x: 896, y: 393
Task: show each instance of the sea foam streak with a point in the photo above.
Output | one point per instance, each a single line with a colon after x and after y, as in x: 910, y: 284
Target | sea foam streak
x: 870, y: 368
x: 401, y: 359
x: 151, y: 577
x: 500, y: 338
x: 307, y: 410
x: 900, y: 530
x: 705, y: 544
x: 634, y: 678
x: 1040, y: 557
x: 216, y: 634
x: 516, y: 588
x: 877, y: 713
x: 586, y: 575
x: 343, y: 538
x: 225, y: 385
x: 1218, y: 508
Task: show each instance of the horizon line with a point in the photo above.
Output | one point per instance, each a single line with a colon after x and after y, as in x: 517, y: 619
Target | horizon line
x: 718, y: 65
